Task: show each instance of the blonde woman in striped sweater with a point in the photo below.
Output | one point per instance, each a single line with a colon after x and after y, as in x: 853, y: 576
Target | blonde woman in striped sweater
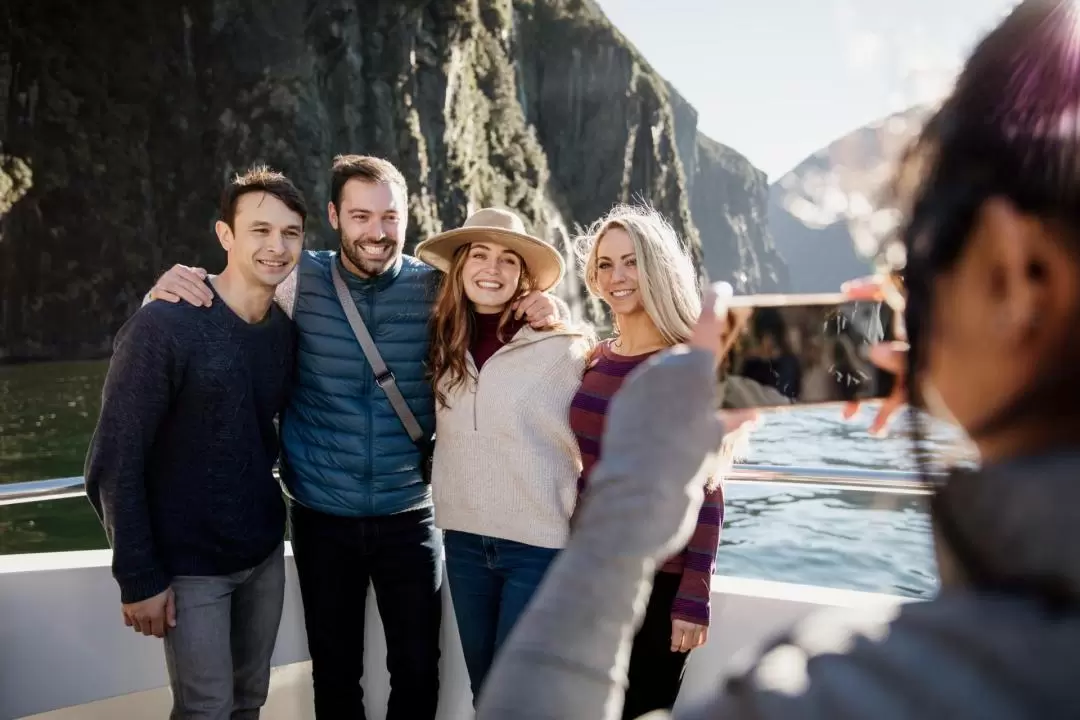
x: 636, y: 264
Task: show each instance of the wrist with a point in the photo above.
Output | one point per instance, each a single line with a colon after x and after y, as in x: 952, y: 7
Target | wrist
x: 142, y: 586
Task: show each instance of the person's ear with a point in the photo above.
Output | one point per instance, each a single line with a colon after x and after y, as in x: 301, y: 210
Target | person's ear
x: 1030, y: 277
x: 225, y: 234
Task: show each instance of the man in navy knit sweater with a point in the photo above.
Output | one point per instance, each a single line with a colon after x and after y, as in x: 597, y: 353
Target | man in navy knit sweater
x: 180, y: 466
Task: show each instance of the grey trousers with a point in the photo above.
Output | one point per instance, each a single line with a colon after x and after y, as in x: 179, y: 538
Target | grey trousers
x: 218, y: 655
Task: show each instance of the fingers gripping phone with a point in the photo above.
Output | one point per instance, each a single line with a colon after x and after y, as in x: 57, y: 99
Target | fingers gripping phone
x: 796, y: 350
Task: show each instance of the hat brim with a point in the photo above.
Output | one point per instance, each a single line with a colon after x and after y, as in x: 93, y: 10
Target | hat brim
x: 545, y: 264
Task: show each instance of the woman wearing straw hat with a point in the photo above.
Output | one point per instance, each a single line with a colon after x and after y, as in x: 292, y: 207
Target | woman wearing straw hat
x: 506, y: 462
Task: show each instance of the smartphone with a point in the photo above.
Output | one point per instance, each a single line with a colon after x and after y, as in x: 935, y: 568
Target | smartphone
x: 795, y: 350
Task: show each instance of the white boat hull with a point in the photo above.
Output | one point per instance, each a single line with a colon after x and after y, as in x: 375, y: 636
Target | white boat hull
x: 65, y: 653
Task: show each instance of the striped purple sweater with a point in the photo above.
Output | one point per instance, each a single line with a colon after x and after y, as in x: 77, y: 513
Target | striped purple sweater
x: 697, y: 562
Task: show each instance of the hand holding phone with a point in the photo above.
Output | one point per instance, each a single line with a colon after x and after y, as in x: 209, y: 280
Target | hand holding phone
x: 889, y: 356
x: 716, y: 330
x: 711, y: 331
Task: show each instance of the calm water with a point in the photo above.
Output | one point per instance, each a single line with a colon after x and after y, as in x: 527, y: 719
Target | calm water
x: 846, y: 539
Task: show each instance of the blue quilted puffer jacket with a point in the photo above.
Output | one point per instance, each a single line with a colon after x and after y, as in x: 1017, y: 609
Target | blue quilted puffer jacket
x: 345, y: 452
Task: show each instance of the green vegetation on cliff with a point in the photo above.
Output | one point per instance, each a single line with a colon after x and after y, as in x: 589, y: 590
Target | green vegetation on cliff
x: 120, y: 125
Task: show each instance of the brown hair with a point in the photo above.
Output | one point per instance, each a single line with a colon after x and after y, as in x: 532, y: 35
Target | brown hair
x: 260, y: 178
x: 365, y: 167
x: 452, y: 325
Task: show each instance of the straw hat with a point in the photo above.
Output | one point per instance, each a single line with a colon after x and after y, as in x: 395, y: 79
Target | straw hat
x: 543, y: 261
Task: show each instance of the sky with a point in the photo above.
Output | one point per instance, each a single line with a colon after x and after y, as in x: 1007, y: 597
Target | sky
x: 779, y: 79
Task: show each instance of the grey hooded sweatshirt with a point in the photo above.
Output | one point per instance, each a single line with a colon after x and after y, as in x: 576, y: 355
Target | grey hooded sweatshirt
x: 969, y: 653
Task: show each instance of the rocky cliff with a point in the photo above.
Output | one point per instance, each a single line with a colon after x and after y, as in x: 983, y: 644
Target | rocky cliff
x: 120, y: 124
x: 729, y: 204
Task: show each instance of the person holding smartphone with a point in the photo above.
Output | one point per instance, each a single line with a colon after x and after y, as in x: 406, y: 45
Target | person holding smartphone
x: 990, y: 200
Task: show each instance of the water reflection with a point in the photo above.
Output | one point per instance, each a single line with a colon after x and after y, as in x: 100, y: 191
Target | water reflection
x: 47, y: 414
x: 821, y: 437
x: 55, y: 526
x: 838, y: 538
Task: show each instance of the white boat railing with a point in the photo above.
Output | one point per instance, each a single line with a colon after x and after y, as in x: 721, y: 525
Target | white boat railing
x: 65, y: 655
x: 861, y: 479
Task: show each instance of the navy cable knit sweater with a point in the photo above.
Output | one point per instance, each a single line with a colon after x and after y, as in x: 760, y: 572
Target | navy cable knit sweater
x: 180, y: 466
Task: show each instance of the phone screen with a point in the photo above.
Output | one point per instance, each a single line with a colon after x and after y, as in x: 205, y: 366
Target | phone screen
x: 795, y: 350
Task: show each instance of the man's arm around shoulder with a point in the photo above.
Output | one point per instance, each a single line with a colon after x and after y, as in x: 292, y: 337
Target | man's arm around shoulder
x: 181, y: 283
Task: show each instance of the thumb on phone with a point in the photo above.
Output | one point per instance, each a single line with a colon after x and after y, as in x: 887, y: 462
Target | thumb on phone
x: 711, y: 328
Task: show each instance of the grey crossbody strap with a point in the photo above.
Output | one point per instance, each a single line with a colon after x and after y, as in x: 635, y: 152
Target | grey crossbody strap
x: 384, y: 378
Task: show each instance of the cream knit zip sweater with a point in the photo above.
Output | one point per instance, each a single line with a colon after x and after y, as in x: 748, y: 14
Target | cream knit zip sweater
x: 506, y: 463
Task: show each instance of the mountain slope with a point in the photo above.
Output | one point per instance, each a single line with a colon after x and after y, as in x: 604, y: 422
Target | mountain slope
x: 810, y: 207
x: 120, y: 125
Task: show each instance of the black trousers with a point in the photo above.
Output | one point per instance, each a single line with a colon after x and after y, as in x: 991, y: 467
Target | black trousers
x: 401, y: 555
x: 656, y: 673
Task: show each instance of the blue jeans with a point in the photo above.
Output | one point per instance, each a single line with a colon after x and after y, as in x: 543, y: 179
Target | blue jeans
x: 491, y: 582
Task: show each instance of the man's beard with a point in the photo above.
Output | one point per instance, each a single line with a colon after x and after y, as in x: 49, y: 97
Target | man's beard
x: 369, y: 266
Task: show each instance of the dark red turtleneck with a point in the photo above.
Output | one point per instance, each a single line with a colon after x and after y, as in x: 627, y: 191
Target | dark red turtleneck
x: 486, y: 340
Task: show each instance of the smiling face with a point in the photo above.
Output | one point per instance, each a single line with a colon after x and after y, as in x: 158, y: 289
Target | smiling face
x: 491, y: 276
x: 617, y: 272
x: 371, y: 223
x: 264, y: 240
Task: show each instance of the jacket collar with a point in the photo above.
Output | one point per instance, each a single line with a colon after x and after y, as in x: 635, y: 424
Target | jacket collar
x: 527, y: 335
x: 376, y: 283
x: 1018, y: 520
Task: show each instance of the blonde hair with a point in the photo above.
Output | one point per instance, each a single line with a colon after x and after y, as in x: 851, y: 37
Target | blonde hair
x: 669, y: 292
x: 666, y: 278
